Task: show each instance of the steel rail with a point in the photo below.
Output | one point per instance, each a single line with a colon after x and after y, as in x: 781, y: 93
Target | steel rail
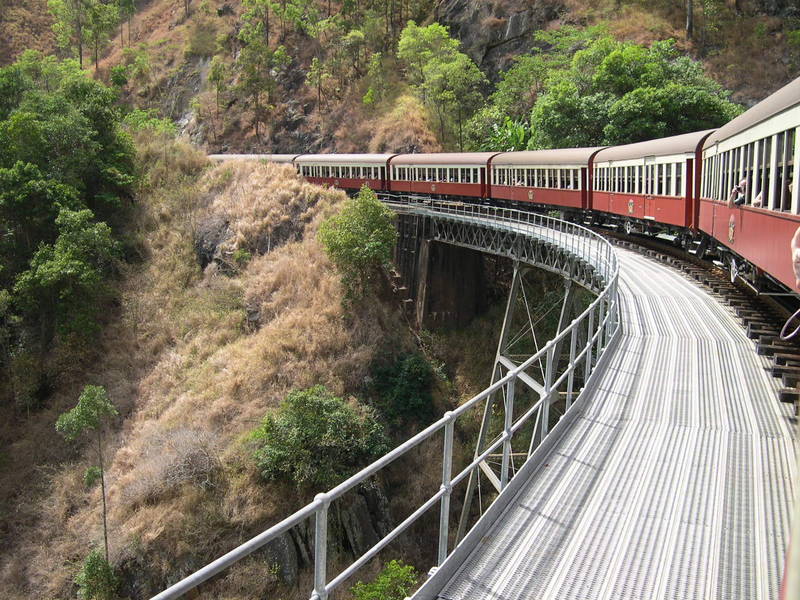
x: 587, y: 247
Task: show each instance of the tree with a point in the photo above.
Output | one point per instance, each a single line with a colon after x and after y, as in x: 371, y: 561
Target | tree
x: 258, y: 66
x: 453, y: 87
x: 648, y: 113
x: 66, y: 279
x: 90, y: 414
x: 316, y: 439
x: 255, y: 19
x: 29, y: 205
x: 359, y: 240
x: 395, y: 582
x: 562, y: 118
x: 65, y: 165
x: 689, y: 18
x: 619, y: 92
x: 402, y: 389
x: 418, y: 46
x: 69, y: 23
x: 217, y: 75
x: 127, y: 8
x: 102, y: 19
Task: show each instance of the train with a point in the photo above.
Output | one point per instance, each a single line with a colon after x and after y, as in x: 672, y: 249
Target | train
x: 726, y: 194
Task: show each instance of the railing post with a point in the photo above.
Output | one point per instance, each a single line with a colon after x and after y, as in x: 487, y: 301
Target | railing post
x: 447, y: 474
x: 571, y: 376
x: 589, y: 346
x: 509, y: 419
x: 321, y: 548
x: 547, y: 395
x: 601, y: 327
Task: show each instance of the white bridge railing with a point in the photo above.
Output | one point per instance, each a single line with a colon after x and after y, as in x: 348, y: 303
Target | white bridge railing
x: 599, y: 324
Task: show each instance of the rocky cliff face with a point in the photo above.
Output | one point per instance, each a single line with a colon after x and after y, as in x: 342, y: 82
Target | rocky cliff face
x: 493, y: 33
x: 778, y: 8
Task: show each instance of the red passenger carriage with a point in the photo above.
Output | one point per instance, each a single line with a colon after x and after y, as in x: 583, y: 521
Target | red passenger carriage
x: 453, y: 174
x: 346, y: 171
x: 555, y: 177
x: 749, y: 198
x: 650, y: 184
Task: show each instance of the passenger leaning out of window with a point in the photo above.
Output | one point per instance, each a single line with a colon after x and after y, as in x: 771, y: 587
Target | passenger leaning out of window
x: 738, y: 194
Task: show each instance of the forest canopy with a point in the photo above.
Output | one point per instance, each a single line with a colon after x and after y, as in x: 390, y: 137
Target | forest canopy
x: 65, y: 167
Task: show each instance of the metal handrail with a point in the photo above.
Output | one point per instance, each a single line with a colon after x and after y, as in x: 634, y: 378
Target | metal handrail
x: 603, y: 323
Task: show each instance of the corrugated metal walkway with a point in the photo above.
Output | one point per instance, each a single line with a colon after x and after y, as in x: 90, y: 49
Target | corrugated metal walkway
x: 675, y: 483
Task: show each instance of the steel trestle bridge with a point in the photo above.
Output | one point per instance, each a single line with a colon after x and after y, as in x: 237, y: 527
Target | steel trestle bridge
x: 657, y: 462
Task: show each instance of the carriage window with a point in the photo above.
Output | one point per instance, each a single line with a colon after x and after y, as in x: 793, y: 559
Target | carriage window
x: 669, y: 189
x: 764, y: 178
x: 679, y: 179
x: 785, y: 147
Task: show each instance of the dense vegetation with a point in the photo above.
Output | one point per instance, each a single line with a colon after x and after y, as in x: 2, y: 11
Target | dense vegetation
x: 596, y: 91
x: 66, y: 170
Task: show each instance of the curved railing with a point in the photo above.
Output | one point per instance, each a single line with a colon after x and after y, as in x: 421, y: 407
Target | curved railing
x: 599, y: 324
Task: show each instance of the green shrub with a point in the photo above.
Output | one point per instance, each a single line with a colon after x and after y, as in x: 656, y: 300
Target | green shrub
x: 119, y: 76
x: 91, y: 476
x: 359, y: 240
x: 241, y: 257
x: 315, y: 439
x: 395, y: 582
x: 401, y: 389
x: 96, y: 580
x: 147, y: 120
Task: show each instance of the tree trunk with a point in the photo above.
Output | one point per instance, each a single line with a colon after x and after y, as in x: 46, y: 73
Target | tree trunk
x: 103, y: 490
x: 689, y: 18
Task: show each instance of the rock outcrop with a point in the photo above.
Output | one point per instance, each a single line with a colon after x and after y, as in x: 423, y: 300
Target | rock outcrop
x: 493, y: 33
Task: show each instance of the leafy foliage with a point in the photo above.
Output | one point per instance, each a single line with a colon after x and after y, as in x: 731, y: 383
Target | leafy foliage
x: 91, y: 476
x: 394, y: 582
x: 445, y: 78
x: 67, y: 277
x: 316, y: 439
x: 401, y: 388
x: 616, y: 93
x: 359, y: 240
x: 89, y: 414
x: 96, y: 580
x: 147, y: 120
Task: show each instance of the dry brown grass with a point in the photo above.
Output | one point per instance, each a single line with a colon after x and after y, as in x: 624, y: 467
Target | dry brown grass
x: 24, y: 25
x: 405, y: 127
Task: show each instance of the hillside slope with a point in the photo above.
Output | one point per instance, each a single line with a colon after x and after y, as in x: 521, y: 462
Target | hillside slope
x: 169, y: 58
x: 233, y: 305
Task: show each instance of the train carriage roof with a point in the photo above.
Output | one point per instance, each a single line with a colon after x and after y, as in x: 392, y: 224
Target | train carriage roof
x: 277, y: 158
x: 475, y: 159
x: 566, y: 156
x: 676, y: 144
x: 343, y: 159
x: 785, y: 98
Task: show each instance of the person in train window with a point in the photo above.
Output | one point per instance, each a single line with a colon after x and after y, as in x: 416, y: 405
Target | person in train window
x: 738, y: 194
x: 758, y: 200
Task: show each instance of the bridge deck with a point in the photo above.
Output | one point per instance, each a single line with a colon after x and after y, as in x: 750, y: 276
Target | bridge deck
x: 674, y: 483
